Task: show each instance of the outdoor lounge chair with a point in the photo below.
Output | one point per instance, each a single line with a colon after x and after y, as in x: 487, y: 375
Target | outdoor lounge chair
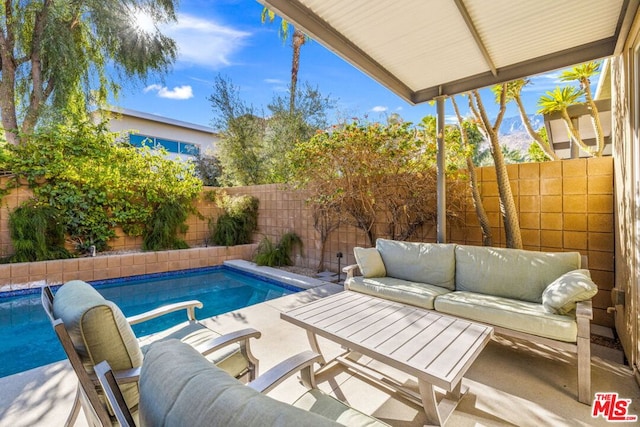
x: 92, y: 329
x: 178, y: 388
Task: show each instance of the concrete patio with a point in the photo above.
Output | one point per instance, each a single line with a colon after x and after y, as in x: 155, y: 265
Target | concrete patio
x: 511, y: 383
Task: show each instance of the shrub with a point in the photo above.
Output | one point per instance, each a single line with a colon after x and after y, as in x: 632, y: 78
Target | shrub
x: 95, y: 183
x: 36, y: 233
x: 277, y: 255
x: 166, y: 223
x: 238, y: 222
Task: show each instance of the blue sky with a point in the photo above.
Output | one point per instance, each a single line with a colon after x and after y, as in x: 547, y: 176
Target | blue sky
x: 226, y: 37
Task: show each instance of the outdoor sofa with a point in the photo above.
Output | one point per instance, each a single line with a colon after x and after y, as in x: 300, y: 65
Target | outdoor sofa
x: 541, y: 297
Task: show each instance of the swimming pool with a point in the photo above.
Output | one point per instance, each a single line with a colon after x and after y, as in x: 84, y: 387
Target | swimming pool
x: 28, y: 341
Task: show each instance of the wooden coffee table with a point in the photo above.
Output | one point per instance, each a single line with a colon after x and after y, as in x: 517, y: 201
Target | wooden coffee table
x: 436, y: 349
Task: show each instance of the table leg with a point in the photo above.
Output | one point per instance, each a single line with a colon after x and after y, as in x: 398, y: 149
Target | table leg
x: 456, y: 393
x: 429, y: 402
x: 313, y: 342
x: 438, y: 412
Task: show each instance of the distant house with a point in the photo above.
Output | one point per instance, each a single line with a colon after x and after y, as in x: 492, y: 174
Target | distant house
x: 181, y: 139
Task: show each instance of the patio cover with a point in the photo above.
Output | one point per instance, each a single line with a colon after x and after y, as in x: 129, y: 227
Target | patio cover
x: 426, y: 49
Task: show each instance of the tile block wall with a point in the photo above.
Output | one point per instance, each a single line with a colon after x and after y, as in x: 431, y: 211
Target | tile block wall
x: 563, y: 206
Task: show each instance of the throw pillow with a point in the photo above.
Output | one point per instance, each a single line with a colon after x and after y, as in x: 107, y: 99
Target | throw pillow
x: 562, y: 294
x: 370, y: 262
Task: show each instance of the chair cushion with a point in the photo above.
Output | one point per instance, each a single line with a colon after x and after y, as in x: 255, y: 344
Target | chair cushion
x: 228, y: 358
x: 517, y: 315
x: 561, y: 295
x: 99, y: 331
x: 178, y: 387
x: 320, y: 403
x: 510, y: 273
x: 403, y: 291
x: 430, y: 263
x: 370, y: 262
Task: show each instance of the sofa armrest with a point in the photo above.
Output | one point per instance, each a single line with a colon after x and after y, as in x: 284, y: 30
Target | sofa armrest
x: 212, y: 345
x: 190, y: 306
x: 301, y: 362
x: 584, y: 309
x: 351, y: 271
x: 584, y: 314
x: 241, y: 337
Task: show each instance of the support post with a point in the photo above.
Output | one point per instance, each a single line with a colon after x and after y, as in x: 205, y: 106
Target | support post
x: 441, y: 184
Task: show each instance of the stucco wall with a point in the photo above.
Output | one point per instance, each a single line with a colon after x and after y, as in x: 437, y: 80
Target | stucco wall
x: 627, y: 200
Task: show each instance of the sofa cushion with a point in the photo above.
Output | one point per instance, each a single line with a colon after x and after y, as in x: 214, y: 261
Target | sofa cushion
x: 561, y: 295
x: 510, y: 273
x: 403, y: 291
x: 320, y: 403
x: 429, y: 263
x: 369, y: 262
x: 508, y: 313
x: 179, y: 387
x: 99, y: 331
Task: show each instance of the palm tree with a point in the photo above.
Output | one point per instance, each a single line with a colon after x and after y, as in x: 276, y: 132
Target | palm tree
x: 514, y: 89
x: 481, y: 213
x: 507, y: 204
x: 558, y: 101
x: 583, y: 73
x: 298, y: 39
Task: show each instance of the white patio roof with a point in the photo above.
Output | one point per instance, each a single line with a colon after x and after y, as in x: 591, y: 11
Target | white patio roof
x: 421, y: 49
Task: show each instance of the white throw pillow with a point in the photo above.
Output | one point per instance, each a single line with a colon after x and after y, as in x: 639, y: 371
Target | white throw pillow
x: 370, y: 262
x: 562, y: 294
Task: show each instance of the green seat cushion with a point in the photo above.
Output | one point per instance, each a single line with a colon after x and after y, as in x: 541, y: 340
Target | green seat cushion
x: 510, y: 273
x: 320, y: 403
x: 178, y: 387
x: 228, y: 358
x: 99, y: 331
x: 430, y: 263
x: 403, y: 291
x: 523, y: 316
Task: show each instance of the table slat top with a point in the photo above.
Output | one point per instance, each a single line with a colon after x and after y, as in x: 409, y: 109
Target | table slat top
x: 429, y: 345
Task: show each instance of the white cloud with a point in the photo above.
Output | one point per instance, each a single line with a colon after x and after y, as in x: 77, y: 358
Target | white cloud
x: 277, y: 85
x: 379, y: 109
x: 451, y: 119
x: 178, y: 92
x: 204, y: 42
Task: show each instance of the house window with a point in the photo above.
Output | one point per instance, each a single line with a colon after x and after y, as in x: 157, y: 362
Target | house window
x: 189, y: 149
x: 171, y: 146
x: 141, y: 141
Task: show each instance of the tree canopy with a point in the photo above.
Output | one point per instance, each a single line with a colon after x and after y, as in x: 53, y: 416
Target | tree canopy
x: 371, y: 174
x: 53, y: 54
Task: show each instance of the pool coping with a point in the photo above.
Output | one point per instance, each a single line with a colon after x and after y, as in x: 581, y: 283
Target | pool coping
x: 292, y: 279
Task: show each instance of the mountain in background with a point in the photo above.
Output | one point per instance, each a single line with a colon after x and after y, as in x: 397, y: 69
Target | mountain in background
x: 514, y: 124
x: 514, y: 135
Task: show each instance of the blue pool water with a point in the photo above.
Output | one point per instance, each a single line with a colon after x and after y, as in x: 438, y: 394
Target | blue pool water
x: 28, y: 341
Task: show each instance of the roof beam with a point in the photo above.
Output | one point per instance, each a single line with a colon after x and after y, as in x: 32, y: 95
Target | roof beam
x: 318, y: 29
x: 554, y: 61
x: 627, y: 15
x: 476, y: 36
